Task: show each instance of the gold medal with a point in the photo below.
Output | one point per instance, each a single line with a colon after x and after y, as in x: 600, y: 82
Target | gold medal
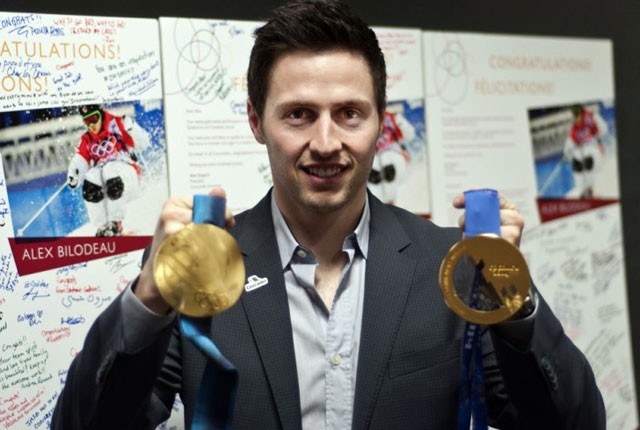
x: 199, y: 270
x: 505, y: 274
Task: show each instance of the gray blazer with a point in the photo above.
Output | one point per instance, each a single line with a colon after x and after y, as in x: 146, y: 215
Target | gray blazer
x: 409, y: 365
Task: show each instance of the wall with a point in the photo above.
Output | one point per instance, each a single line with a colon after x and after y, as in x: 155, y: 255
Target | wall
x: 617, y: 21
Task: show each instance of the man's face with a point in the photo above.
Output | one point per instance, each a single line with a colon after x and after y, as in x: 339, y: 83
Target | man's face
x: 93, y: 121
x: 320, y: 125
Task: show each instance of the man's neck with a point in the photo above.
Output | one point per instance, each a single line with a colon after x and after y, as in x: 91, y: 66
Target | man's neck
x: 324, y: 233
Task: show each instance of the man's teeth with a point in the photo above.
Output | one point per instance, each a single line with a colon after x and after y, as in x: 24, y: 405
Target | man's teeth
x: 324, y: 171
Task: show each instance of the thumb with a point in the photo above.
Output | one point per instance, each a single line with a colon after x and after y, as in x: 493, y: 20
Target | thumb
x: 228, y: 216
x: 218, y: 192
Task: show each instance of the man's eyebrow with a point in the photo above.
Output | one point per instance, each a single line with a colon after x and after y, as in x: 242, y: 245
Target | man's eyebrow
x: 297, y: 103
x: 356, y: 102
x: 302, y: 103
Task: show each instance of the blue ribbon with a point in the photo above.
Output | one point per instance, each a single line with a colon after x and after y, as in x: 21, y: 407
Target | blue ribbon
x: 208, y: 210
x: 482, y: 212
x: 482, y: 215
x: 216, y: 396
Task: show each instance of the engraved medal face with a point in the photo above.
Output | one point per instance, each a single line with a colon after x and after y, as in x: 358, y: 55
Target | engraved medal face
x: 199, y: 270
x: 503, y: 279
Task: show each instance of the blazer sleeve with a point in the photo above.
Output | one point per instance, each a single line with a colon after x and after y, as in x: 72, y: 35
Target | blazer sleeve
x: 548, y: 384
x: 107, y: 388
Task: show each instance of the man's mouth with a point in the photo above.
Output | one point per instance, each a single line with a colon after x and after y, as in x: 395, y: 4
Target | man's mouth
x: 324, y: 172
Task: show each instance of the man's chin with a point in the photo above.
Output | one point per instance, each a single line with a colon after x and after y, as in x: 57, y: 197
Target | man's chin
x: 325, y: 203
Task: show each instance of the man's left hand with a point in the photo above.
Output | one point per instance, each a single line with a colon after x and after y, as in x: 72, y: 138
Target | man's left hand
x: 511, y: 221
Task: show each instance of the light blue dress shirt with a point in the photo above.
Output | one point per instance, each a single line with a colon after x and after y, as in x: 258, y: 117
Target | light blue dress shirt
x: 326, y: 341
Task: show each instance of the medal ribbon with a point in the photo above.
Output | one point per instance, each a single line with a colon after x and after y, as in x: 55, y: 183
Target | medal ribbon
x: 482, y: 216
x: 216, y: 396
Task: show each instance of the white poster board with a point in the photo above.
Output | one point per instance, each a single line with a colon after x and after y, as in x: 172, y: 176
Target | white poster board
x: 400, y: 176
x: 500, y: 114
x: 205, y: 88
x: 56, y: 276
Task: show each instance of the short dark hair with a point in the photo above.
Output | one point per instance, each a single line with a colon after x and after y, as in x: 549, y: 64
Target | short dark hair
x: 317, y: 25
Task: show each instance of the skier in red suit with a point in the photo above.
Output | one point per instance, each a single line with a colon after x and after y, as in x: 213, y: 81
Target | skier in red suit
x: 585, y: 149
x: 106, y: 165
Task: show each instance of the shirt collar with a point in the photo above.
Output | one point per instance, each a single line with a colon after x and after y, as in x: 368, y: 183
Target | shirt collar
x: 287, y: 244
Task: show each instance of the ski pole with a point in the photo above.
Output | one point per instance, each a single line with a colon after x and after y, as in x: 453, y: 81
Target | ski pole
x: 551, y: 177
x: 42, y: 208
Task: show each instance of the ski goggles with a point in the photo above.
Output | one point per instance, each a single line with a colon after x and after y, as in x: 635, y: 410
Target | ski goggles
x: 92, y: 117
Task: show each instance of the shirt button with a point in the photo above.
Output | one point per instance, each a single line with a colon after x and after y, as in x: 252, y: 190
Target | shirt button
x: 301, y: 253
x: 336, y: 360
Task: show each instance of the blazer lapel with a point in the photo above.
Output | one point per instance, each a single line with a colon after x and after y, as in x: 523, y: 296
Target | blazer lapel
x: 387, y: 284
x: 267, y: 310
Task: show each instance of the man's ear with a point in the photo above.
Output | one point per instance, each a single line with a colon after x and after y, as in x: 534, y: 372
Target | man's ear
x: 254, y: 122
x: 381, y: 115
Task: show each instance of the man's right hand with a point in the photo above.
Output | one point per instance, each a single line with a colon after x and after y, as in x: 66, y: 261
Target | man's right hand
x: 176, y: 214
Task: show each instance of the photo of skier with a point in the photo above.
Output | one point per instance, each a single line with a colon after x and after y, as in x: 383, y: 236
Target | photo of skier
x: 584, y: 148
x: 390, y: 162
x: 399, y: 151
x: 106, y: 168
x: 574, y: 148
x: 88, y: 170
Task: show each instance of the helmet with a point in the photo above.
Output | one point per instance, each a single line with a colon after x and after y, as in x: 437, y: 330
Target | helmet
x: 87, y: 109
x: 91, y: 114
x: 577, y: 110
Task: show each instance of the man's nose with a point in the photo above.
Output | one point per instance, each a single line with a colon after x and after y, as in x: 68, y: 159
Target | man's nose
x: 325, y: 140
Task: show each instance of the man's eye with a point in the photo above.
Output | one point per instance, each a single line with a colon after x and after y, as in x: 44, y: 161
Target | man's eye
x: 297, y: 114
x: 351, y: 115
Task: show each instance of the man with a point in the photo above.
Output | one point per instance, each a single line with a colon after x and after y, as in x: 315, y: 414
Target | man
x: 350, y: 329
x: 584, y: 148
x: 106, y: 165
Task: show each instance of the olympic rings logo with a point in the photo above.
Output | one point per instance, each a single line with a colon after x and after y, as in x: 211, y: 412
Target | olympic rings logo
x: 104, y: 148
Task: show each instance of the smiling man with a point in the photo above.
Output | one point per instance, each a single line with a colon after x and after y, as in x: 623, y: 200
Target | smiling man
x: 344, y: 325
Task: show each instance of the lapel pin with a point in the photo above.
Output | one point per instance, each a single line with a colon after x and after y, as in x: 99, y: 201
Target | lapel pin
x: 254, y: 282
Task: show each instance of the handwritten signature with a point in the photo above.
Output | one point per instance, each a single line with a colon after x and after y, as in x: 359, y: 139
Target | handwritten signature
x: 36, y: 290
